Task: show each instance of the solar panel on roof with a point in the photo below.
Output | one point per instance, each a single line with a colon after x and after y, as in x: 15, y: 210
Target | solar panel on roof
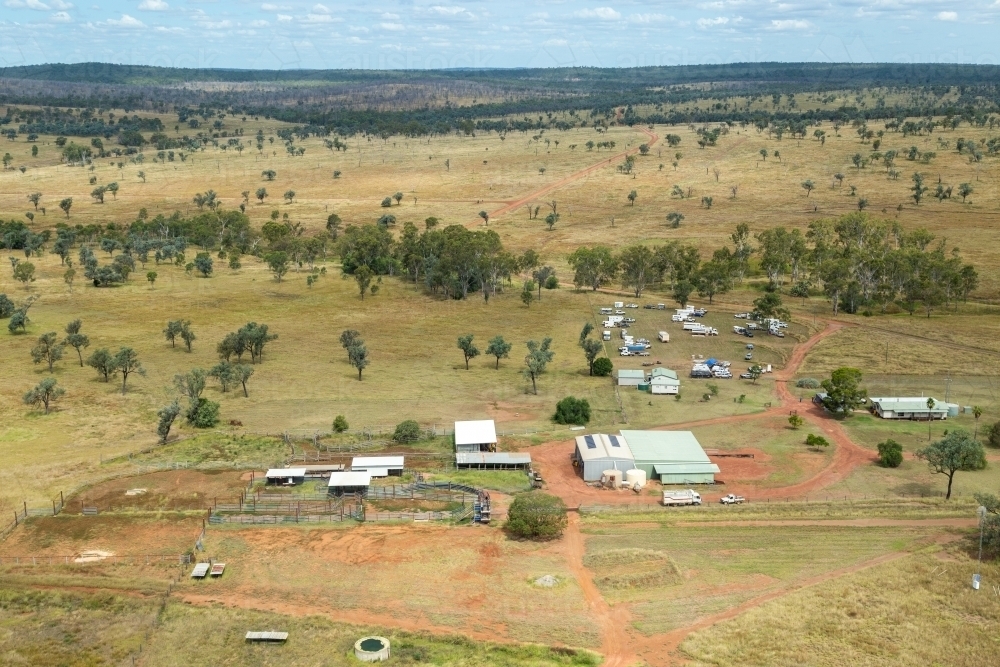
x: 614, y: 440
x: 589, y: 439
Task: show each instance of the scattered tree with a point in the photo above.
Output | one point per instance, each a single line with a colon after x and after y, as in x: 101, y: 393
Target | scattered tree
x: 407, y: 431
x: 816, y: 441
x: 357, y: 354
x: 126, y: 362
x: 47, y: 349
x: 103, y: 362
x: 469, y: 349
x: 957, y: 451
x: 340, y: 424
x: 75, y: 339
x: 45, y: 392
x: 843, y: 391
x: 603, y: 367
x: 166, y: 416
x: 498, y: 348
x: 536, y: 360
x: 278, y: 263
x: 796, y: 421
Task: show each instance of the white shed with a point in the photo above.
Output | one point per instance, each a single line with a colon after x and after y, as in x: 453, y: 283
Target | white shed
x: 631, y: 378
x: 285, y: 476
x: 378, y: 466
x: 348, y: 482
x: 596, y: 453
x: 664, y: 381
x: 476, y: 436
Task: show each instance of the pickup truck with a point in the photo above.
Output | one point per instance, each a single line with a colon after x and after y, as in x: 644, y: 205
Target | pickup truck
x: 688, y: 497
x: 730, y: 499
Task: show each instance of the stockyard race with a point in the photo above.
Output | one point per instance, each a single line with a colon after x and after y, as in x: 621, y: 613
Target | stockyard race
x: 675, y: 365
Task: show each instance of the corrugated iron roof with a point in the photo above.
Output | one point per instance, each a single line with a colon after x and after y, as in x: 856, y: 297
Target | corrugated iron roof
x: 377, y: 462
x: 665, y: 447
x: 685, y: 468
x: 601, y: 446
x: 492, y: 458
x: 286, y: 472
x: 350, y: 478
x: 910, y: 404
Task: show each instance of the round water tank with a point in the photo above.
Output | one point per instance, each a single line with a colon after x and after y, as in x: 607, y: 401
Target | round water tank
x: 612, y: 478
x: 952, y: 409
x: 372, y: 649
x: 635, y: 476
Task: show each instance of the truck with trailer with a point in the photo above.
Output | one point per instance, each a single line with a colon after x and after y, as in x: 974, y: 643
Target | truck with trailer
x: 686, y: 497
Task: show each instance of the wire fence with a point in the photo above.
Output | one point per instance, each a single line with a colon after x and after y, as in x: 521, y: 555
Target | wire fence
x: 84, y: 559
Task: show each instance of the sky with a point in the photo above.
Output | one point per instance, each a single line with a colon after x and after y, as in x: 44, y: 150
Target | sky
x: 420, y: 34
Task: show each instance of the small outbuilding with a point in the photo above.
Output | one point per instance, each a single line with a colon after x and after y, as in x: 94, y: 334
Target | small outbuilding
x: 664, y: 381
x: 631, y: 378
x: 599, y: 452
x: 476, y: 436
x: 348, y: 482
x: 913, y: 407
x: 493, y: 460
x: 673, y: 457
x: 378, y: 466
x: 286, y: 476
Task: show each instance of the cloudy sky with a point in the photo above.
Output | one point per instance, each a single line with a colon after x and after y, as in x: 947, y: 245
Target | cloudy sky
x: 285, y: 34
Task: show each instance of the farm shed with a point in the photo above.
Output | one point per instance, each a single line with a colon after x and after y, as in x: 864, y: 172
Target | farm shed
x: 378, y: 466
x: 596, y: 453
x: 630, y: 378
x: 492, y: 460
x: 675, y: 457
x: 664, y: 381
x: 285, y: 476
x: 476, y: 436
x: 348, y: 482
x: 913, y: 407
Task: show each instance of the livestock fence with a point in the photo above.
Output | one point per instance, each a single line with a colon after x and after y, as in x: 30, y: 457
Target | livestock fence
x: 24, y: 512
x: 83, y: 559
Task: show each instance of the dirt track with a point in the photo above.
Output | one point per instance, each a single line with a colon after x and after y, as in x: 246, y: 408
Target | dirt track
x: 518, y: 203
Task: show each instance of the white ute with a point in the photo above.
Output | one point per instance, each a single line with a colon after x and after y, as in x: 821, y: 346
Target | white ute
x: 730, y: 499
x: 688, y: 497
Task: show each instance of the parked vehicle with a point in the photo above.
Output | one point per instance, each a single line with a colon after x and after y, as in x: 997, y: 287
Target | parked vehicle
x: 631, y: 305
x: 746, y: 376
x: 748, y: 334
x: 629, y: 320
x: 605, y: 311
x: 739, y: 330
x: 699, y: 312
x: 619, y: 304
x: 730, y: 499
x: 749, y: 346
x: 688, y: 497
x: 748, y: 356
x: 649, y: 306
x: 661, y: 306
x: 663, y: 337
x: 624, y: 352
x: 607, y: 335
x: 643, y: 354
x: 619, y: 311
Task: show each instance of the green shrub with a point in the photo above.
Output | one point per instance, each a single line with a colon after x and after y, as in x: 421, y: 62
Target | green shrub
x: 203, y: 414
x: 890, y: 453
x: 572, y: 410
x: 816, y: 441
x: 551, y: 282
x: 407, y: 431
x: 340, y: 424
x: 603, y: 367
x: 993, y: 435
x: 807, y: 383
x: 536, y: 516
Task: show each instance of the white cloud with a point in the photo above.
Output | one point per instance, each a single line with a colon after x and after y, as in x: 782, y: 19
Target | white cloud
x: 649, y: 18
x: 356, y: 40
x: 61, y: 17
x: 790, y: 24
x: 284, y: 18
x: 320, y: 9
x: 395, y: 27
x: 947, y: 16
x: 318, y: 18
x: 603, y: 13
x: 555, y: 42
x: 126, y: 21
x: 446, y: 10
x: 708, y: 23
x: 270, y: 7
x: 60, y: 4
x: 259, y: 23
x: 357, y: 28
x: 390, y: 17
x: 153, y: 6
x: 37, y: 5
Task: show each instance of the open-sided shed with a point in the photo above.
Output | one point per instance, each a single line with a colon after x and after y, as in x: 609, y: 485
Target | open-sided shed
x: 492, y: 460
x: 286, y: 476
x: 348, y: 482
x: 599, y: 452
x: 675, y: 457
x: 476, y: 436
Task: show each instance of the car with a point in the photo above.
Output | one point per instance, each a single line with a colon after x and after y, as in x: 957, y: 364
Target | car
x: 749, y: 346
x: 619, y: 312
x: 631, y: 305
x: 748, y: 334
x: 730, y: 499
x: 746, y: 376
x: 748, y: 356
x: 649, y: 306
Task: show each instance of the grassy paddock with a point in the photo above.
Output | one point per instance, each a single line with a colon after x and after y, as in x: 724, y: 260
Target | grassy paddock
x: 723, y: 565
x: 916, y: 611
